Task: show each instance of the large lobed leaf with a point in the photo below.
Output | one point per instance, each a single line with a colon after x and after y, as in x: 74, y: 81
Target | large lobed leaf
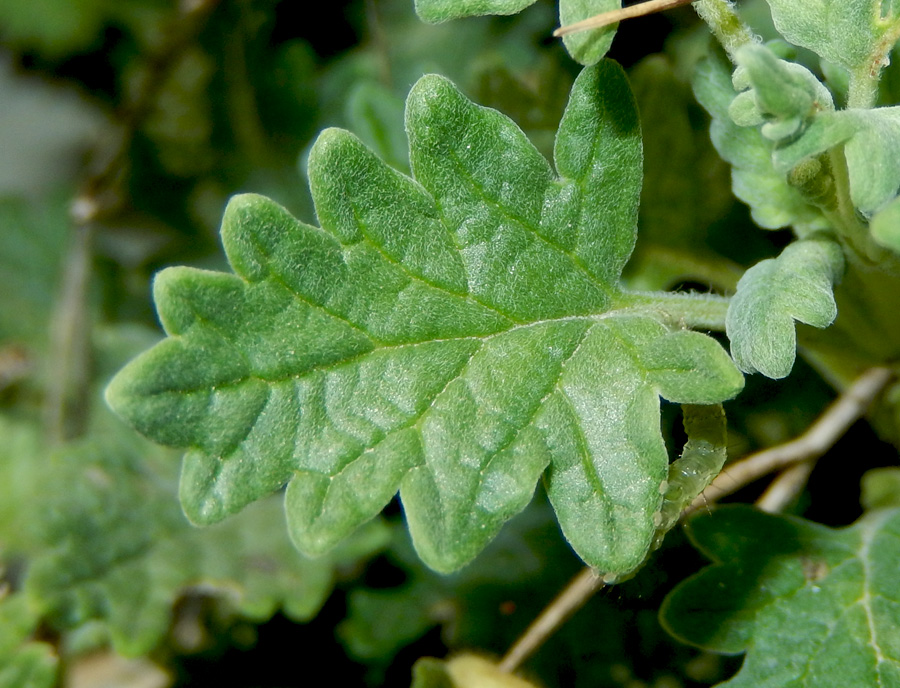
x: 811, y: 606
x: 450, y: 336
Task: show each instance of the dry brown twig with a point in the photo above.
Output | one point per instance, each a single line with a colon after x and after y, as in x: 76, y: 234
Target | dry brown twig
x: 615, y: 16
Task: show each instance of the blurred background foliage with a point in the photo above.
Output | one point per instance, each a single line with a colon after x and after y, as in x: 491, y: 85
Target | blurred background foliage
x: 125, y: 125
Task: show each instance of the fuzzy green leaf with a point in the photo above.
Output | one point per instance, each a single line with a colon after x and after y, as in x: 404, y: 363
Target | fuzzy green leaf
x: 841, y: 31
x: 755, y: 179
x: 784, y: 95
x: 773, y: 294
x: 811, y: 606
x: 587, y: 47
x: 435, y: 11
x: 387, y: 350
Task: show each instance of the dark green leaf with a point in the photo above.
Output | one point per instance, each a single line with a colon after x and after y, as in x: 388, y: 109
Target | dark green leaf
x: 811, y: 606
x: 118, y: 550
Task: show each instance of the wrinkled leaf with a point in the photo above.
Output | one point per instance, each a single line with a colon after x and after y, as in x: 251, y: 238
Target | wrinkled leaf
x: 797, y: 285
x: 841, y: 31
x: 387, y: 349
x: 441, y: 10
x: 782, y: 94
x: 811, y: 606
x: 755, y: 179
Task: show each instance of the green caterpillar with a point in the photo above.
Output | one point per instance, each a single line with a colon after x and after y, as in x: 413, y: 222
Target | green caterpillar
x: 701, y: 461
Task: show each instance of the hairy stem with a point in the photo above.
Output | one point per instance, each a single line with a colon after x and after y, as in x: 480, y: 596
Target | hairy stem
x: 818, y: 439
x: 728, y: 28
x: 700, y: 311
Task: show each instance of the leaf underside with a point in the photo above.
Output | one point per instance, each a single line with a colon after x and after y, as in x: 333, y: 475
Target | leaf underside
x: 450, y: 335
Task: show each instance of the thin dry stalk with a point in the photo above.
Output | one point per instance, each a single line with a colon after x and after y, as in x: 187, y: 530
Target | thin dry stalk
x: 615, y: 16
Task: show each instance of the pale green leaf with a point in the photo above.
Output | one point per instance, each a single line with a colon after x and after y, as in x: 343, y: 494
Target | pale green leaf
x: 797, y: 285
x: 387, y: 350
x: 871, y: 141
x: 441, y: 10
x: 812, y: 607
x: 755, y: 179
x: 841, y: 31
x: 785, y: 94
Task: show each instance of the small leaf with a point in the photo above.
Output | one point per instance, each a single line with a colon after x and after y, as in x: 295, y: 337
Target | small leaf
x: 841, y: 31
x: 785, y: 94
x: 885, y: 226
x: 587, y: 47
x: 755, y: 179
x: 435, y: 11
x: 772, y: 295
x: 811, y: 606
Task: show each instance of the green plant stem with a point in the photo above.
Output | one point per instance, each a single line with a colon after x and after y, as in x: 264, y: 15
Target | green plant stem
x: 863, y: 90
x: 700, y: 311
x: 728, y: 28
